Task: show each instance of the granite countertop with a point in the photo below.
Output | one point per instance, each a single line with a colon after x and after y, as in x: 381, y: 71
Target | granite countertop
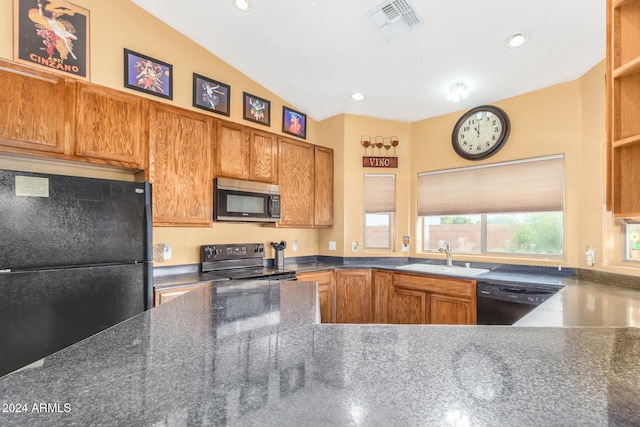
x: 254, y: 354
x: 498, y: 273
x: 587, y: 303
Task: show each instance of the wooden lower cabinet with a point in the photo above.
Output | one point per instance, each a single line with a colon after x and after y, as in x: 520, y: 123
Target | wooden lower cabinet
x: 407, y: 306
x: 160, y: 296
x: 446, y: 310
x: 431, y: 300
x: 326, y: 292
x: 359, y: 295
x: 354, y: 296
x: 381, y: 281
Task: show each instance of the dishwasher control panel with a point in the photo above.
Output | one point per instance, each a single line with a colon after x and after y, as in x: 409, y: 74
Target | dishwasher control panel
x: 518, y: 294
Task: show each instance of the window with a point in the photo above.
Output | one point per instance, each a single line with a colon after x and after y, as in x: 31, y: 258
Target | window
x: 503, y: 208
x: 379, y: 210
x: 632, y: 242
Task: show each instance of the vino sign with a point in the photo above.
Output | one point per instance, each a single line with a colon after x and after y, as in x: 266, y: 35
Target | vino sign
x: 379, y: 162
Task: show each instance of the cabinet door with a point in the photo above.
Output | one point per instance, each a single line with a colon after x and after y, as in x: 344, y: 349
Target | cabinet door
x: 382, y: 281
x: 33, y: 109
x: 408, y: 301
x: 232, y: 150
x: 295, y: 177
x: 263, y: 149
x: 165, y: 295
x: 429, y: 299
x: 446, y: 310
x: 354, y: 296
x: 110, y: 125
x: 323, y: 209
x: 326, y: 292
x: 180, y: 166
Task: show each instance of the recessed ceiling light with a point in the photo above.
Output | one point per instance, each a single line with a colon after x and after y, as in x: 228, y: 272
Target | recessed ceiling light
x: 243, y: 5
x: 516, y: 40
x: 457, y: 91
x: 357, y: 96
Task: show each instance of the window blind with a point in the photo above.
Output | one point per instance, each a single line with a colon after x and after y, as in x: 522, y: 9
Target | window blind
x: 530, y: 185
x: 379, y: 193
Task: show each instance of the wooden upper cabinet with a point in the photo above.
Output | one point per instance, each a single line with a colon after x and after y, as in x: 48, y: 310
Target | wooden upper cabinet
x: 296, y: 181
x: 33, y: 107
x: 323, y: 203
x: 110, y: 125
x: 180, y: 166
x: 263, y: 155
x: 232, y: 150
x: 623, y: 108
x: 245, y: 153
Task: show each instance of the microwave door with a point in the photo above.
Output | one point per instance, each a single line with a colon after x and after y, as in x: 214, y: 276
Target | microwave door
x: 242, y: 206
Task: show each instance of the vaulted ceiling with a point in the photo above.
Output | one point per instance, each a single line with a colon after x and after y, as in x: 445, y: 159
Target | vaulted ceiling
x: 315, y: 53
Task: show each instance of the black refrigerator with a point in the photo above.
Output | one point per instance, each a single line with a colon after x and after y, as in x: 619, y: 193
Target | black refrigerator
x: 75, y: 259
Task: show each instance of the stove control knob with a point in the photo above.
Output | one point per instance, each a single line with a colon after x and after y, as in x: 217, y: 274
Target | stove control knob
x: 210, y: 252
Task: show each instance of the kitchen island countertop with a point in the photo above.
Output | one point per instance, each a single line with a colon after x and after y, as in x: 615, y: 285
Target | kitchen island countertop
x: 254, y: 354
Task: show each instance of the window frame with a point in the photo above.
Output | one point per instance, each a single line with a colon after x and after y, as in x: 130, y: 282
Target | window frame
x: 453, y: 205
x: 380, y: 208
x: 391, y: 234
x: 484, y: 235
x: 626, y: 249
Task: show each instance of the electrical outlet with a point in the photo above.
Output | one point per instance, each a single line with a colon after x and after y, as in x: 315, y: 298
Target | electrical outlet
x: 158, y: 252
x: 294, y: 245
x: 354, y: 246
x: 167, y: 251
x: 332, y: 246
x: 405, y: 243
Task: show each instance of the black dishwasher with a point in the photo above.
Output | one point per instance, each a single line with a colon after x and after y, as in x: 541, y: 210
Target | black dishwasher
x: 505, y: 304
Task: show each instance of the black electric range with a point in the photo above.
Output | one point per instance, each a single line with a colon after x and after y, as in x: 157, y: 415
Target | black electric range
x: 240, y: 261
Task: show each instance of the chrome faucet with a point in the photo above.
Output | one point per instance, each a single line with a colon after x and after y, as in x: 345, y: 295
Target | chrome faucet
x: 446, y: 248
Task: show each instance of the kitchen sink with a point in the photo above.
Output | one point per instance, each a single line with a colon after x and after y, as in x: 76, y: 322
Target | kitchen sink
x: 444, y: 270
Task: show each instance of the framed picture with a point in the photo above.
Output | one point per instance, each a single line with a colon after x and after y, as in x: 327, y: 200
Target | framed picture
x: 148, y: 75
x: 53, y: 35
x: 294, y: 123
x: 256, y: 109
x: 211, y: 95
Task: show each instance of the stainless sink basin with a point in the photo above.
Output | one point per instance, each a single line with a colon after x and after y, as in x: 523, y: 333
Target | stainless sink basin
x: 444, y: 270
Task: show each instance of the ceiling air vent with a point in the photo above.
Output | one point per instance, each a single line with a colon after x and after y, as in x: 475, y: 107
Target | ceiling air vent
x: 394, y: 17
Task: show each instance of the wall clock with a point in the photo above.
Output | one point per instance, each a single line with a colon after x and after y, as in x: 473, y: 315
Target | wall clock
x: 480, y: 132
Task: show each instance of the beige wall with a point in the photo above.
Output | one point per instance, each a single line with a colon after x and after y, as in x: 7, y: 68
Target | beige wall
x: 116, y: 24
x: 543, y: 122
x: 566, y: 118
x: 349, y: 182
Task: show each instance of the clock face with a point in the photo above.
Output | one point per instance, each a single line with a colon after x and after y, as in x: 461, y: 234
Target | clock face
x: 480, y: 132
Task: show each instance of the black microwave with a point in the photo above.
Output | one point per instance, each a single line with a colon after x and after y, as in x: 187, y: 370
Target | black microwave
x: 239, y: 201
